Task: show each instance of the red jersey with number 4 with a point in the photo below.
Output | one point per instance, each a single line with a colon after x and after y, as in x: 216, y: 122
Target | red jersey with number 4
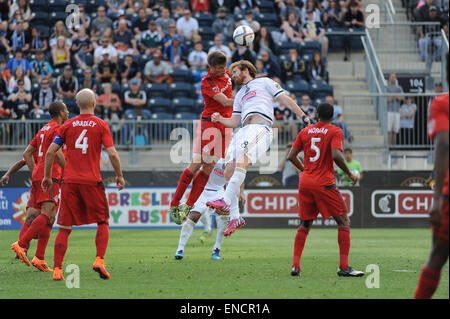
x: 84, y: 136
x: 438, y: 121
x: 317, y: 141
x: 41, y: 142
x: 212, y: 85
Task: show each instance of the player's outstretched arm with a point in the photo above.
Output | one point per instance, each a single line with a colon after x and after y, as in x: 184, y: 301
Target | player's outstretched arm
x: 232, y: 122
x: 28, y: 156
x: 293, y: 157
x: 48, y: 165
x: 222, y: 99
x: 340, y: 162
x: 115, y: 162
x: 13, y: 169
x: 287, y: 101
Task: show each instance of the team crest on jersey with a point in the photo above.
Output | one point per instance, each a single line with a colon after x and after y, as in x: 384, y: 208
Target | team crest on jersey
x: 244, y: 144
x: 277, y: 86
x: 215, y: 89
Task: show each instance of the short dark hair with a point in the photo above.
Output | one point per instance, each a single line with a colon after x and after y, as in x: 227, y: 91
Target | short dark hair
x: 325, y: 111
x: 348, y: 150
x: 216, y: 58
x: 56, y: 107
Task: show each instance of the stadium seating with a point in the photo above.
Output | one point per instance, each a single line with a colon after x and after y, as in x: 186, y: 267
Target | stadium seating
x: 309, y: 47
x: 206, y: 32
x: 268, y: 19
x: 298, y: 87
x: 160, y: 105
x: 320, y: 89
x: 157, y: 90
x: 180, y: 90
x: 284, y: 47
x: 204, y: 19
x: 182, y: 104
x: 181, y: 75
x: 57, y: 5
x: 266, y: 6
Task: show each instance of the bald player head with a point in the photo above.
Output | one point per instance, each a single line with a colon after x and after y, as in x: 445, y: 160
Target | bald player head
x: 86, y: 101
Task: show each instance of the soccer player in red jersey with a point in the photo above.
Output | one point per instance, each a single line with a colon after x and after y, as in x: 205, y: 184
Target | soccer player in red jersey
x: 212, y: 138
x: 83, y: 197
x: 438, y: 129
x: 321, y: 144
x: 44, y: 201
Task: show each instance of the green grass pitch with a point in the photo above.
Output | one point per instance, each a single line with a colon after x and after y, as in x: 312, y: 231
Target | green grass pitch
x: 255, y: 264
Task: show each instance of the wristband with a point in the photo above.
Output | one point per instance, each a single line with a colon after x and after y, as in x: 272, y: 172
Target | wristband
x: 304, y: 117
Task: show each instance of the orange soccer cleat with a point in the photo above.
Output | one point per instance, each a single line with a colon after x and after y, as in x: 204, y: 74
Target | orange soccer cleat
x: 21, y: 253
x: 41, y: 264
x: 58, y: 274
x: 100, y: 267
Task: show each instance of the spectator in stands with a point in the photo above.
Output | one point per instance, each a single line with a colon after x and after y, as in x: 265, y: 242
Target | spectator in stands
x: 353, y: 19
x: 187, y: 26
x: 223, y: 24
x: 217, y: 4
x: 135, y: 98
x: 4, y: 72
x: 407, y: 120
x: 272, y: 66
x: 99, y: 24
x: 157, y: 71
x: 23, y: 6
x: 311, y: 7
x: 150, y: 40
x: 167, y: 40
x: 245, y: 5
x: 60, y: 53
x: 135, y: 5
x: 42, y: 98
x: 157, y: 5
x: 292, y: 30
x: 40, y: 68
x: 113, y: 113
x: 176, y: 54
x: 286, y: 7
x: 438, y: 89
x: 18, y: 75
x: 179, y: 6
x: 20, y: 100
x: 105, y: 45
x: 393, y: 107
x: 80, y: 38
x: 307, y: 108
x: 20, y: 39
x: 88, y: 80
x: 18, y: 16
x: 430, y: 35
x: 333, y: 16
x: 353, y: 165
x: 124, y: 40
x: 264, y: 40
x: 219, y: 46
x: 250, y: 21
x: 289, y: 172
x: 122, y: 16
x: 5, y: 112
x: 140, y: 24
x: 38, y: 42
x: 198, y: 61
x: 85, y: 20
x: 424, y: 10
x: 18, y: 60
x: 67, y: 86
x: 60, y: 30
x: 108, y: 99
x: 107, y: 70
x: 315, y: 31
x: 338, y: 119
x: 243, y: 52
x: 164, y: 21
x: 261, y: 71
x: 115, y: 7
x: 317, y: 69
x: 200, y: 5
x: 129, y: 69
x: 293, y: 68
x: 138, y: 131
x: 83, y: 58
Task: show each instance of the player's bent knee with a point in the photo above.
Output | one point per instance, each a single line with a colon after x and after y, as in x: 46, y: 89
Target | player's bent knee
x: 194, y: 216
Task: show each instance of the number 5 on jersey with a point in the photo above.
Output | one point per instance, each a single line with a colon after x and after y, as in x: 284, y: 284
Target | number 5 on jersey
x: 314, y: 147
x: 82, y: 142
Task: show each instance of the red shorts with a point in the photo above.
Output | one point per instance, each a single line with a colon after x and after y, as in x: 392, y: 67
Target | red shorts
x: 38, y: 196
x: 212, y: 138
x: 326, y: 200
x: 82, y: 204
x: 442, y: 231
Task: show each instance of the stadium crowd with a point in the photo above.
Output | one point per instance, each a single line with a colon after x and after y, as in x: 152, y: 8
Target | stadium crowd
x: 145, y: 58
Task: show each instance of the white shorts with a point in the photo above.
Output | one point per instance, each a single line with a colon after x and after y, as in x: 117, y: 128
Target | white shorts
x: 210, y: 195
x: 393, y: 120
x: 253, y: 140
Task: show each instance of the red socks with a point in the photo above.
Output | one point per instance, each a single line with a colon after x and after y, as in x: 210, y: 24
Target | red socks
x: 344, y: 246
x: 23, y: 231
x: 36, y: 226
x: 101, y: 239
x: 300, y: 239
x: 44, y: 236
x: 183, y: 183
x: 198, y: 185
x: 428, y: 283
x: 61, y: 246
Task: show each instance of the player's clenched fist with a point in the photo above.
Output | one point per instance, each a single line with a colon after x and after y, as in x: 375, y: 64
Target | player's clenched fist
x: 4, y: 180
x: 46, y: 183
x: 216, y: 117
x: 120, y: 182
x: 354, y: 178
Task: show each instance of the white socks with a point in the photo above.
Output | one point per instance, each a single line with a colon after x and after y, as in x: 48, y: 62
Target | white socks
x: 234, y: 185
x: 186, y: 232
x: 206, y: 221
x: 222, y: 223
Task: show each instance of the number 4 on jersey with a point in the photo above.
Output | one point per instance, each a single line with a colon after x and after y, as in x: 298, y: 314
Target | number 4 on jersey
x: 82, y: 142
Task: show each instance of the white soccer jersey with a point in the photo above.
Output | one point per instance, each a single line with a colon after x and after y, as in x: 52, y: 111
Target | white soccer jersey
x: 216, y: 180
x: 256, y: 97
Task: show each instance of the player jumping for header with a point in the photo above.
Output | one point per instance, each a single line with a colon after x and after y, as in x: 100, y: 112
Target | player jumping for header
x: 253, y: 107
x: 321, y: 144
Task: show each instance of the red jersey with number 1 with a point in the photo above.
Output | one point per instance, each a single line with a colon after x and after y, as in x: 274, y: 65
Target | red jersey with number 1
x: 438, y: 121
x: 84, y: 136
x: 316, y: 141
x: 212, y: 85
x: 41, y: 142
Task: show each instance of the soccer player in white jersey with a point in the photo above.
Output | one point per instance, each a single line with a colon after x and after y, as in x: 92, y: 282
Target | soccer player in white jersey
x: 253, y: 108
x: 214, y: 188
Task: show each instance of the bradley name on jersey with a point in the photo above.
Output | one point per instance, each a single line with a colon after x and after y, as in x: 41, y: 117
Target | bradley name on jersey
x: 84, y: 123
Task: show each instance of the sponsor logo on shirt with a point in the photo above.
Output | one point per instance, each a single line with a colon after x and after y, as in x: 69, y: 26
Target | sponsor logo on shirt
x: 218, y: 172
x: 248, y: 96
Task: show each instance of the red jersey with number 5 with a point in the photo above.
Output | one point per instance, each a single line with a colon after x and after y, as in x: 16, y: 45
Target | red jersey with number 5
x: 41, y: 142
x: 437, y: 122
x: 316, y: 141
x: 84, y: 136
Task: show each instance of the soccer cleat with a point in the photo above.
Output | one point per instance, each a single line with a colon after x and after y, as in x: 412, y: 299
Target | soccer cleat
x: 233, y: 225
x: 40, y: 264
x: 220, y: 206
x: 26, y: 253
x: 179, y: 255
x: 216, y: 254
x: 205, y: 236
x: 241, y: 222
x: 100, y: 267
x: 183, y: 212
x: 58, y: 274
x: 21, y: 253
x: 295, y: 271
x: 174, y: 213
x: 349, y: 272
